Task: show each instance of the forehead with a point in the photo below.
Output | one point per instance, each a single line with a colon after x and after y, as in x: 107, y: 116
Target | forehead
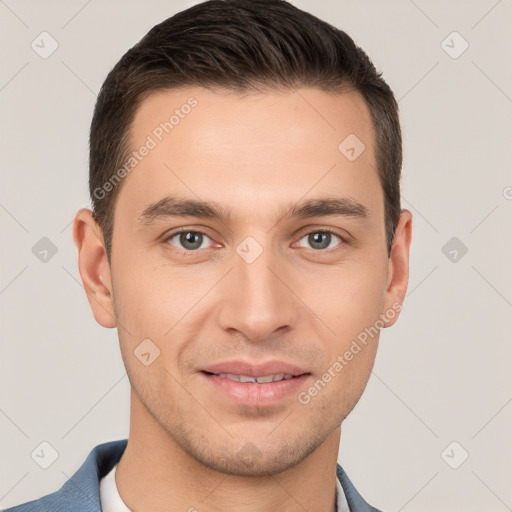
x: 251, y: 149
x: 259, y: 117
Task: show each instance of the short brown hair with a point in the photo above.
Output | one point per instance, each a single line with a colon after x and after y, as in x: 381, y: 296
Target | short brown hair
x: 238, y: 45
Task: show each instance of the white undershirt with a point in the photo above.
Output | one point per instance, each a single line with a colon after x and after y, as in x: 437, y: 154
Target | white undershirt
x: 111, y: 500
x: 109, y: 495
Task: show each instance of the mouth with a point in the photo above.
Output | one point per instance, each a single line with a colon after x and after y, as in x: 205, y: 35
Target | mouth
x: 256, y: 390
x: 263, y: 379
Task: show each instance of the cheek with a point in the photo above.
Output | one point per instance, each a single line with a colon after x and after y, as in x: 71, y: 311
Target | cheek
x: 351, y: 304
x: 352, y: 349
x: 349, y: 298
x: 150, y: 300
x: 162, y: 304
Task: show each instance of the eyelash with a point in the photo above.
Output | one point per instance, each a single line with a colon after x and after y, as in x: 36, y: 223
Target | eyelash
x: 196, y: 251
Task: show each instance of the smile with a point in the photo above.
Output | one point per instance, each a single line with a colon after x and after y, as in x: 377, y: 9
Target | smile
x: 254, y: 391
x: 260, y: 380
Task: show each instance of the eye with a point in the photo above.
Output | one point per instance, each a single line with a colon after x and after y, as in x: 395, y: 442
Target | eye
x: 191, y: 241
x: 321, y: 239
x: 188, y: 240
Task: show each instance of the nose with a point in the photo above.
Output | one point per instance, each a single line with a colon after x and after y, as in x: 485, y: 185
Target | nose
x: 257, y: 300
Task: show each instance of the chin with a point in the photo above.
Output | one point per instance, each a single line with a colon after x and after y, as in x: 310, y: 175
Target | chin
x: 254, y: 456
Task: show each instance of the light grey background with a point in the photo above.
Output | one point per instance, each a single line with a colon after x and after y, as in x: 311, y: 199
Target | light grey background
x: 442, y: 374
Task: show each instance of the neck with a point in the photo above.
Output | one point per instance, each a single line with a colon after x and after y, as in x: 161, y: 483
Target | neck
x: 155, y: 473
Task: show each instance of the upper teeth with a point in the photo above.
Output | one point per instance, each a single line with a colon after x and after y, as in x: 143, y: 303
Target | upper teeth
x: 261, y: 380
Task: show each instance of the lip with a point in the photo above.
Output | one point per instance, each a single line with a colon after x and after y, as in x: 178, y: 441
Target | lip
x: 253, y: 394
x: 240, y: 367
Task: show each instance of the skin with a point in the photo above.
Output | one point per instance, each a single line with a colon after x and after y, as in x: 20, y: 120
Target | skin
x: 253, y: 155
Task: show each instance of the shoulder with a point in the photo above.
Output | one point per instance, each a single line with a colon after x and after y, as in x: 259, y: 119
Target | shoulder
x: 355, y: 501
x: 82, y: 490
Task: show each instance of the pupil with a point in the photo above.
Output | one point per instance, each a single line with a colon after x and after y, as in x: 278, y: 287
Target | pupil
x: 316, y: 240
x: 191, y: 238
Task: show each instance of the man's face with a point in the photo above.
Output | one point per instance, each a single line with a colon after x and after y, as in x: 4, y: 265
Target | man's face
x: 256, y: 286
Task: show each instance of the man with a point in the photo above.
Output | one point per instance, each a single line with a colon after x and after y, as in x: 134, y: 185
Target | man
x: 247, y: 241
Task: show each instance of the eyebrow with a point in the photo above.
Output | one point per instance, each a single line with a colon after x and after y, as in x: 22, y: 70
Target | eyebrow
x: 176, y: 207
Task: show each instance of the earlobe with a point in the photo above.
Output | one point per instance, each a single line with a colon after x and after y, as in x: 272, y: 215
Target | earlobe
x: 93, y: 267
x: 398, y: 269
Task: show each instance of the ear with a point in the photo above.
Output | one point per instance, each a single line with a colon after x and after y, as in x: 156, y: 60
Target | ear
x: 93, y: 267
x: 398, y: 268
